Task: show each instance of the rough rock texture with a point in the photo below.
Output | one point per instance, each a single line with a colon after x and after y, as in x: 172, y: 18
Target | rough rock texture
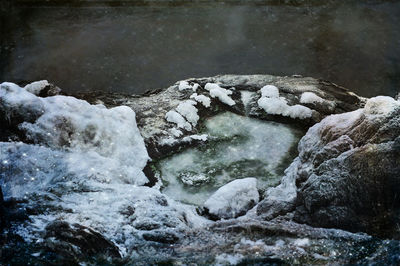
x: 152, y: 107
x: 233, y: 199
x: 347, y: 174
x: 77, y: 241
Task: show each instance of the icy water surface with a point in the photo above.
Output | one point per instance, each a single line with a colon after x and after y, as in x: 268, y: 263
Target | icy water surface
x: 137, y: 47
x: 238, y: 147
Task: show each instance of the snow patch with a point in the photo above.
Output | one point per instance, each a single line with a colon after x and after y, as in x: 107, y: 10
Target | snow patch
x: 187, y: 110
x: 234, y: 198
x: 310, y: 97
x: 278, y: 106
x: 178, y: 119
x: 222, y: 94
x: 270, y: 91
x: 204, y: 100
x: 37, y: 86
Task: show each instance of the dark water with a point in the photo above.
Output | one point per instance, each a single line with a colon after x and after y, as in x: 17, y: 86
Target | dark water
x: 134, y: 48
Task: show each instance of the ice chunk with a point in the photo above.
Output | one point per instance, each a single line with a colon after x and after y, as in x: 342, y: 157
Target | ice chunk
x: 222, y: 94
x: 233, y: 199
x: 178, y: 119
x: 187, y: 110
x: 270, y: 91
x: 204, y: 100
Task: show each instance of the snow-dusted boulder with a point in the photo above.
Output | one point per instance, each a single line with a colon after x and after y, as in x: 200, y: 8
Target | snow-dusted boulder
x: 233, y: 199
x: 347, y: 174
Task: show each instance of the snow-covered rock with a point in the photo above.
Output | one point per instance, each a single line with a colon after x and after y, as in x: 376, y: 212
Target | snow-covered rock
x: 347, y: 172
x: 233, y: 199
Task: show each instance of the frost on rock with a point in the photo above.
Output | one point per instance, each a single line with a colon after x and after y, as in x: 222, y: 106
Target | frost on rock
x: 272, y: 104
x: 233, y: 199
x: 178, y: 119
x: 85, y: 166
x: 204, y: 100
x: 187, y: 110
x: 222, y: 94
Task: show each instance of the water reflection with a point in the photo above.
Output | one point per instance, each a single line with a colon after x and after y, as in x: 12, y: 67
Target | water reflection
x: 134, y: 48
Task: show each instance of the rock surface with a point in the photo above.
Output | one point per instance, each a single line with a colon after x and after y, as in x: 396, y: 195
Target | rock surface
x: 245, y: 90
x: 233, y: 199
x: 347, y: 174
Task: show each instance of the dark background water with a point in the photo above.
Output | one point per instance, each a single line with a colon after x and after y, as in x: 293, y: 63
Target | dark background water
x: 134, y: 47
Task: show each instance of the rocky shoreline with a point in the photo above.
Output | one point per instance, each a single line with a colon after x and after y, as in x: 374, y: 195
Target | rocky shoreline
x: 337, y: 201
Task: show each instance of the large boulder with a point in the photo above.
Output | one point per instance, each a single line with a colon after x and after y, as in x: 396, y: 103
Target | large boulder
x: 347, y: 174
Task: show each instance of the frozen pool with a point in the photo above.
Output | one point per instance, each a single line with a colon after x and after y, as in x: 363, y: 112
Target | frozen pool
x: 239, y: 147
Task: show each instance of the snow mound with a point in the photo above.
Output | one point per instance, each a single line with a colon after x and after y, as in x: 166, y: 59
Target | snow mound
x: 275, y: 105
x: 187, y: 110
x: 222, y: 94
x: 233, y: 199
x: 37, y: 86
x: 270, y: 91
x: 174, y: 117
x: 204, y: 100
x: 310, y: 97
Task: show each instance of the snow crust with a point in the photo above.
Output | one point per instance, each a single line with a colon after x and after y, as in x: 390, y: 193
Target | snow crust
x: 234, y: 198
x: 275, y: 105
x: 222, y: 94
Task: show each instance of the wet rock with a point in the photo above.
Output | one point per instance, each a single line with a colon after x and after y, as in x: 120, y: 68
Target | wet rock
x: 77, y: 241
x: 233, y: 199
x: 347, y: 174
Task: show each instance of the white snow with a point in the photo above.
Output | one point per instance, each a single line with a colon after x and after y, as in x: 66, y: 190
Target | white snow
x: 86, y: 166
x: 37, y: 86
x: 270, y: 91
x: 202, y: 137
x: 279, y: 106
x: 184, y: 85
x: 234, y: 198
x: 222, y: 94
x: 174, y: 117
x: 381, y: 105
x: 204, y: 100
x: 187, y: 110
x: 310, y: 97
x: 176, y: 132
